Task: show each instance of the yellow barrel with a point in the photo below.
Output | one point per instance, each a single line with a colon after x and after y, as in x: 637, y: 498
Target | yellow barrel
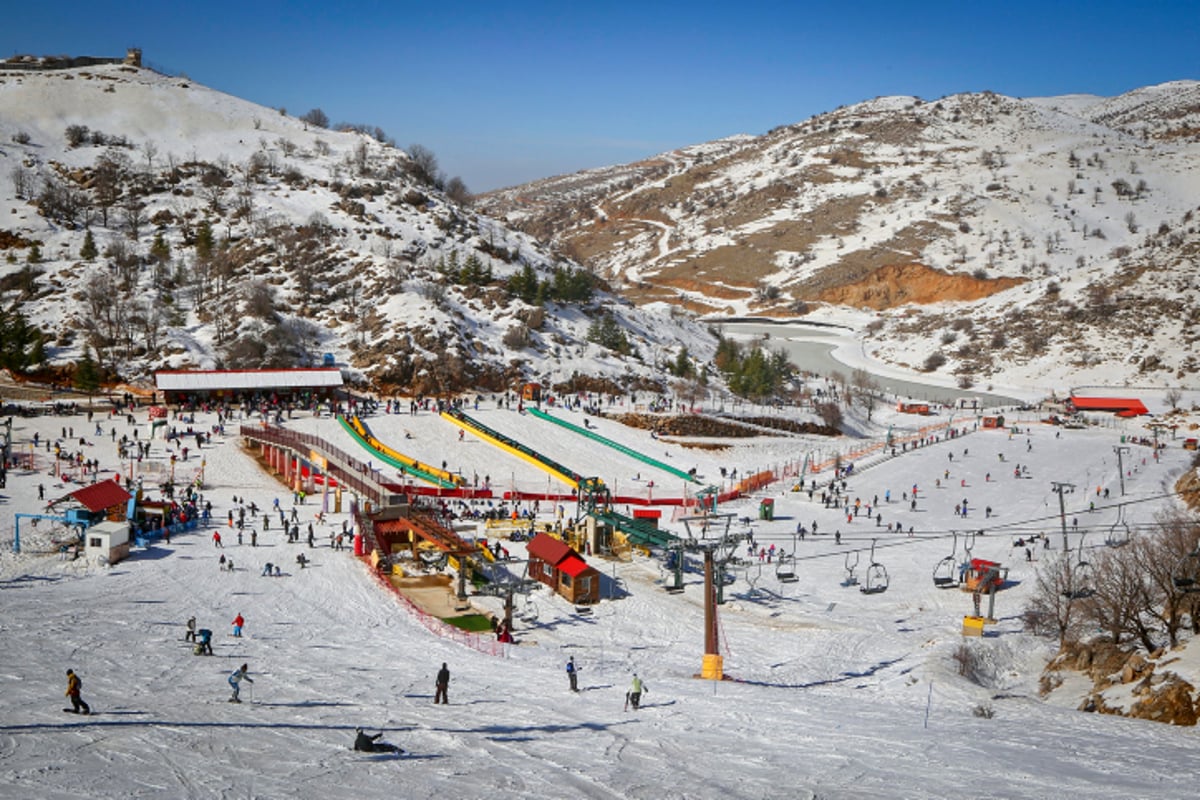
x: 713, y: 668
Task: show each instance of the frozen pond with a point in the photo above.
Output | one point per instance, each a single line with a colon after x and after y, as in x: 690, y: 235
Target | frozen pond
x: 811, y: 348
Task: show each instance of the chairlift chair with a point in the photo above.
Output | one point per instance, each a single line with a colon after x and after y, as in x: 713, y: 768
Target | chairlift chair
x: 1118, y: 534
x: 946, y: 571
x: 785, y: 569
x: 850, y: 579
x: 876, y: 578
x: 1185, y: 575
x: 1080, y: 584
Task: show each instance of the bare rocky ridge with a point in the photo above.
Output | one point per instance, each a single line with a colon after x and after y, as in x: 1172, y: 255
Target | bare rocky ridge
x: 1070, y: 216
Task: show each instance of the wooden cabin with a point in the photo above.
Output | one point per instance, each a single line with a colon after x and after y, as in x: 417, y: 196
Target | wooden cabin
x: 555, y: 564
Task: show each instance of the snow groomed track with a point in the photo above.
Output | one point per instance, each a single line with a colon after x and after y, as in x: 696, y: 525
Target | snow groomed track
x: 567, y: 476
x: 629, y: 451
x: 410, y: 466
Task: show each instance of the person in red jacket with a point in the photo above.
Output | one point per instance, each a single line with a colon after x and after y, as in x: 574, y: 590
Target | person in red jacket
x: 238, y: 622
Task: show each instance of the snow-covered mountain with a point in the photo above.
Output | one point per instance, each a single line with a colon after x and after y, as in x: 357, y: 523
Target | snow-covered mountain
x: 157, y: 223
x: 1044, y: 241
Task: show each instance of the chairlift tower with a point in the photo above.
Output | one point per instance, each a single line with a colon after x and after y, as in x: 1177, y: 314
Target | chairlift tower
x: 1061, y: 488
x: 717, y: 552
x: 1121, y: 449
x: 508, y: 589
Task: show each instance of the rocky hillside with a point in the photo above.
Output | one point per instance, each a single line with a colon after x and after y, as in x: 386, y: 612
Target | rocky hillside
x: 992, y: 238
x: 148, y: 222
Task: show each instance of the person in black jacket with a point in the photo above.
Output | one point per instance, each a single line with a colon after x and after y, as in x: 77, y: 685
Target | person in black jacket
x: 369, y: 743
x: 443, y: 683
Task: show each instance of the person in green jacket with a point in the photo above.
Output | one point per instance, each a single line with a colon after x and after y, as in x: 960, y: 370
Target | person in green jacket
x: 634, y: 696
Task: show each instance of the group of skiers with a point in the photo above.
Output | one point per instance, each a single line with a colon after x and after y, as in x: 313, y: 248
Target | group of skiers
x: 633, y: 697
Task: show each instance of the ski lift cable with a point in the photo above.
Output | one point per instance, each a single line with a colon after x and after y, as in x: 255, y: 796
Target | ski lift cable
x: 1029, y: 526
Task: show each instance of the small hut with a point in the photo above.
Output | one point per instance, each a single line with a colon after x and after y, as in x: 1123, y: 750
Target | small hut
x: 555, y: 564
x: 107, y: 541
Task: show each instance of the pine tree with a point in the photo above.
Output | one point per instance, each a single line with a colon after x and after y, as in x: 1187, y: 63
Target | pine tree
x: 682, y: 367
x: 160, y: 251
x: 205, y: 242
x: 88, y: 252
x: 87, y: 374
x: 35, y: 253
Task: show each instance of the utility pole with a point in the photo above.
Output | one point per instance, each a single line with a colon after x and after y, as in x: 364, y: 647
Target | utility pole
x: 1120, y: 449
x: 1061, y: 487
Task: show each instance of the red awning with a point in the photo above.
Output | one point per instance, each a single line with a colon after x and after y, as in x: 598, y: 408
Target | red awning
x: 102, y: 495
x: 574, y: 566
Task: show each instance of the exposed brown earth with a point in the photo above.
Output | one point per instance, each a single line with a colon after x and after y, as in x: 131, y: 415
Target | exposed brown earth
x: 897, y: 284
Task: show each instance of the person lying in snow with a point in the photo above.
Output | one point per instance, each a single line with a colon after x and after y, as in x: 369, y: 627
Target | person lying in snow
x: 370, y: 744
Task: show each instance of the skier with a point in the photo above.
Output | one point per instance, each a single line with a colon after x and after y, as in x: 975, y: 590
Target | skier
x: 572, y: 674
x: 238, y: 622
x: 216, y: 537
x: 190, y: 636
x: 368, y: 743
x: 235, y: 680
x: 203, y: 646
x: 634, y: 695
x: 443, y: 683
x: 74, y: 684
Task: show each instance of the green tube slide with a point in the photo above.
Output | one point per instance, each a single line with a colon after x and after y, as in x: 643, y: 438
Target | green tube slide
x: 610, y: 443
x: 408, y: 467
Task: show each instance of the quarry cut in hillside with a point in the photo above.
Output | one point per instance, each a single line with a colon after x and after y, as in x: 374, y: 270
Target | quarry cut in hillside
x: 898, y: 284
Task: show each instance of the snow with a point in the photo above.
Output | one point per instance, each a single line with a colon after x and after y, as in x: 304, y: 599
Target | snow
x: 382, y: 261
x: 833, y: 693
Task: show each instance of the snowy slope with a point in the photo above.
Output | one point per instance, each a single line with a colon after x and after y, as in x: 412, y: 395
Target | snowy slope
x: 1024, y: 241
x: 833, y: 693
x: 324, y: 242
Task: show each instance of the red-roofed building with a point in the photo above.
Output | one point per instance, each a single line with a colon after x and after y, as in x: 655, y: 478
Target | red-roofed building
x: 106, y: 497
x: 1121, y: 406
x: 555, y: 564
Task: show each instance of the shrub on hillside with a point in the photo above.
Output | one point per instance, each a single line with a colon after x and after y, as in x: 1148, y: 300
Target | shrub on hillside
x: 933, y: 362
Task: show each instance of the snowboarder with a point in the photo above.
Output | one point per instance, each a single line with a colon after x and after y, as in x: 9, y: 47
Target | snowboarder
x: 203, y: 646
x: 235, y: 681
x: 368, y: 743
x: 572, y: 674
x: 443, y: 683
x: 238, y: 622
x: 634, y: 696
x: 190, y: 636
x: 74, y: 685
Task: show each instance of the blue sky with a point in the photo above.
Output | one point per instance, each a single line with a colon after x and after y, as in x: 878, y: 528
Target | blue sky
x: 505, y: 92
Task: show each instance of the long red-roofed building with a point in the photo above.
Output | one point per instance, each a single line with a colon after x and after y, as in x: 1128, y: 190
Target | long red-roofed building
x: 1121, y: 406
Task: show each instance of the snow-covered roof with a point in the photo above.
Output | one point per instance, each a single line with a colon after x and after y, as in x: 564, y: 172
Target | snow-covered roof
x: 211, y: 380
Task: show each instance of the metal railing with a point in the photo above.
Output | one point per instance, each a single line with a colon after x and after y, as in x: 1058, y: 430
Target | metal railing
x: 348, y: 470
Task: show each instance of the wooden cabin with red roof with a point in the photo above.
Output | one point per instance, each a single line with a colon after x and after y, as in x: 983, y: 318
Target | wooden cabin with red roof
x: 555, y: 564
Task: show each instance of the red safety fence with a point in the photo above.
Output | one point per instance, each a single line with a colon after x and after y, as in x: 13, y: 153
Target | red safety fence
x: 483, y: 643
